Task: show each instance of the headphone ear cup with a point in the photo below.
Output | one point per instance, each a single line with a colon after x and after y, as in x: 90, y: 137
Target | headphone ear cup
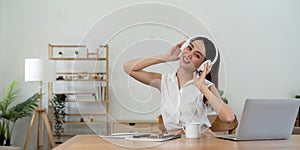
x: 201, y: 68
x: 185, y: 44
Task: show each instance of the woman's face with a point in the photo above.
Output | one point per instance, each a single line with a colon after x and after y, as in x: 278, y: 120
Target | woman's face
x: 193, y: 55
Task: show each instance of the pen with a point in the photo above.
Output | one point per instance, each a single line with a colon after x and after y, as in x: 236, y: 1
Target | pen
x: 141, y: 135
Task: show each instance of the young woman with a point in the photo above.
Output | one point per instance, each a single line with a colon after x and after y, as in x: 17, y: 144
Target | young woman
x: 183, y: 91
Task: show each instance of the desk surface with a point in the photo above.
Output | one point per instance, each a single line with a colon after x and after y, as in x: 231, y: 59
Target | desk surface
x: 91, y: 142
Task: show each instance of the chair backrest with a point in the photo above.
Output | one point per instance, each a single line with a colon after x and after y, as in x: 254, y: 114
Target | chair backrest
x: 218, y: 125
x: 296, y: 130
x: 161, y: 126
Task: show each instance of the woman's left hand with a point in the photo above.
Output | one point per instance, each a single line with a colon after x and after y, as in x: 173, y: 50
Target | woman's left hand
x: 200, y: 80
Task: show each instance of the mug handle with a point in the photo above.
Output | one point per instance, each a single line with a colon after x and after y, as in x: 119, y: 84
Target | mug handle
x: 203, y: 128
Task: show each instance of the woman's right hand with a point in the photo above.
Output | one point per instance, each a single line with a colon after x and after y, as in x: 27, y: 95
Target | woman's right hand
x: 174, y: 53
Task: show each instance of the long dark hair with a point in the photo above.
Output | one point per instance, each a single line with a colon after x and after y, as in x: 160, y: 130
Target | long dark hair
x: 210, y: 54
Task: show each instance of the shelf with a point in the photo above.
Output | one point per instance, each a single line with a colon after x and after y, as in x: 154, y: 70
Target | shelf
x: 82, y: 101
x: 87, y: 101
x: 75, y: 93
x: 73, y: 46
x: 82, y: 80
x: 67, y: 46
x: 73, y: 58
x: 78, y: 122
x: 85, y: 114
x: 72, y: 73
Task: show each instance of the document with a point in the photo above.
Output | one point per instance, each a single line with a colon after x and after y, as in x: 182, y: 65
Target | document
x: 120, y: 135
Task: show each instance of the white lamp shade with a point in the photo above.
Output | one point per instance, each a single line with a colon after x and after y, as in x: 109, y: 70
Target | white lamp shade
x: 37, y: 69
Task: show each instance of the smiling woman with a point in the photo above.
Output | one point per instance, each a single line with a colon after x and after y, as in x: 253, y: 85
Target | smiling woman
x: 183, y: 91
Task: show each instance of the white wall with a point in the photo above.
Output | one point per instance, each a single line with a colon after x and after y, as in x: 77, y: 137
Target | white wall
x: 258, y: 40
x: 3, y: 22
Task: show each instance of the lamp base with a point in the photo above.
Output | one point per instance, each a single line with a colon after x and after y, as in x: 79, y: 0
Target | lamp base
x: 39, y: 112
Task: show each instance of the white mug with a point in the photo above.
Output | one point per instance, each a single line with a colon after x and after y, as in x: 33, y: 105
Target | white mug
x: 192, y: 130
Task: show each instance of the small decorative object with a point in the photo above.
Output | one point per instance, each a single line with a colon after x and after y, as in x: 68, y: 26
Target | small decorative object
x: 86, y: 77
x: 60, y: 78
x: 80, y: 76
x: 60, y: 54
x: 81, y: 119
x: 76, y: 53
x: 100, y: 76
x: 91, y: 118
x: 93, y: 77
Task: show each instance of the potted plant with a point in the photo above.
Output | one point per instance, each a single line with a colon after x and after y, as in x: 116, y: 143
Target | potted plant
x: 58, y: 105
x: 10, y: 113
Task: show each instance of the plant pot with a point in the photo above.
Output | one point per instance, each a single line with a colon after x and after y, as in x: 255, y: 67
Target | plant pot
x: 10, y: 148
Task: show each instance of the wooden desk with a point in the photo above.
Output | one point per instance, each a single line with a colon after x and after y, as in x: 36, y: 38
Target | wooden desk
x: 91, y: 142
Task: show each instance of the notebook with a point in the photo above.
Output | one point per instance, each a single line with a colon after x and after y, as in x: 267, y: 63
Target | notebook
x: 266, y: 119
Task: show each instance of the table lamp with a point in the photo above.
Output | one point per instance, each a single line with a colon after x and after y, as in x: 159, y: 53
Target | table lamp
x: 39, y: 70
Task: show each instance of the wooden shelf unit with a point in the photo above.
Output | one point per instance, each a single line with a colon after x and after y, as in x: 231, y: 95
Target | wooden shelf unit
x: 89, y: 56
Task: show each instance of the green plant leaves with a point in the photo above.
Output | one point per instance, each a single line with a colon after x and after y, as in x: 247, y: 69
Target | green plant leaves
x: 13, y: 113
x: 58, y: 105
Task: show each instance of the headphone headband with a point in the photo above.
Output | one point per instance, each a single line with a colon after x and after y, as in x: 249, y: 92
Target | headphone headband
x: 201, y: 37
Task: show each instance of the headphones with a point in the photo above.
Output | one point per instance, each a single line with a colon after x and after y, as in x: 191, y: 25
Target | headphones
x: 201, y: 37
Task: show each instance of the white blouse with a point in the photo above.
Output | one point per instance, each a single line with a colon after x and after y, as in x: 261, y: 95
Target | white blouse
x: 181, y: 106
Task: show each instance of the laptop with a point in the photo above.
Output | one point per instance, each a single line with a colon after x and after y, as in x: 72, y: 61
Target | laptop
x: 266, y: 119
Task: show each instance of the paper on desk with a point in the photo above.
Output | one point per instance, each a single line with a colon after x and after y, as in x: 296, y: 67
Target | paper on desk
x: 120, y: 135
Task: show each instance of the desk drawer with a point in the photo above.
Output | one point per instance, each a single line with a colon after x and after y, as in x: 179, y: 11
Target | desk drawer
x: 135, y: 126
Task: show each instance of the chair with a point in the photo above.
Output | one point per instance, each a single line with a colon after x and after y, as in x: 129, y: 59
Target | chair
x: 296, y: 130
x: 217, y: 125
x: 161, y: 126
